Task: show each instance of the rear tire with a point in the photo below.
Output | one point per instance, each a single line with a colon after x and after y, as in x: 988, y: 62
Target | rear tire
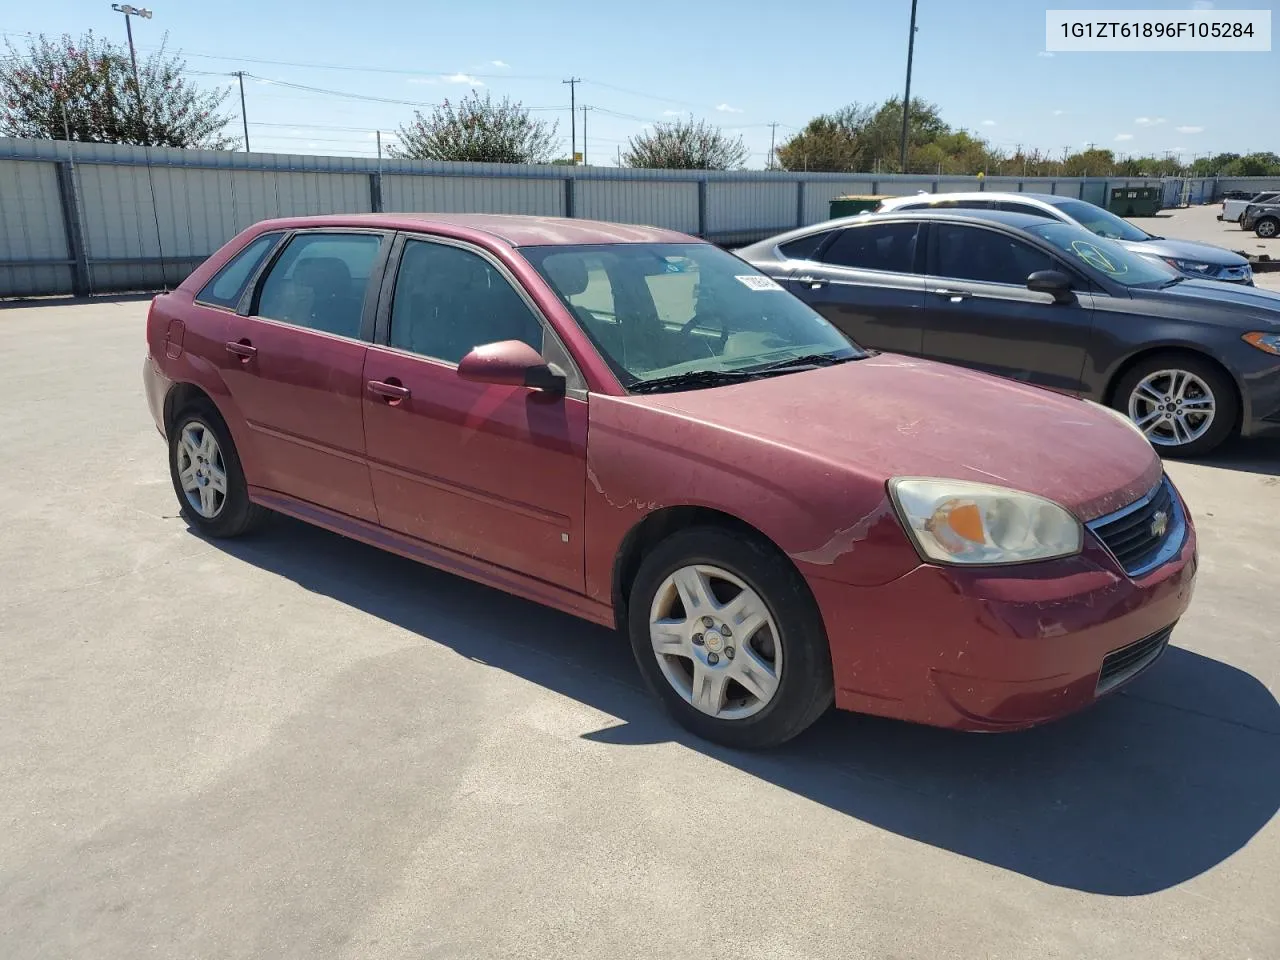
x: 206, y: 473
x: 745, y: 662
x: 1267, y: 227
x: 1167, y: 395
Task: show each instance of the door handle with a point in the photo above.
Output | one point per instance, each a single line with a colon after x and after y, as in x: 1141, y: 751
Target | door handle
x: 955, y: 296
x: 242, y: 349
x: 390, y: 390
x: 814, y: 283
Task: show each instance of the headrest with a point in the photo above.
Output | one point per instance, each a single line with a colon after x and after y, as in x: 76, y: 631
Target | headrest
x: 568, y: 273
x: 318, y: 271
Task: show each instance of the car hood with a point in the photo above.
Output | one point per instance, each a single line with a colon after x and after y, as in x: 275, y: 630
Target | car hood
x: 893, y: 416
x: 1186, y: 250
x: 1241, y: 302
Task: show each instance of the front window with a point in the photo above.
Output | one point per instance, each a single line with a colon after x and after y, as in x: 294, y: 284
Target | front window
x: 688, y: 311
x: 1105, y: 256
x: 1101, y: 222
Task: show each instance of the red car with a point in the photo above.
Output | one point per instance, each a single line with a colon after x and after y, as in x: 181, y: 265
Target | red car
x: 638, y: 428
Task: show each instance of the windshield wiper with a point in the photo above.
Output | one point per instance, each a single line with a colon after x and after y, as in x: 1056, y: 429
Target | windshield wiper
x: 805, y: 362
x: 692, y: 380
x: 1170, y: 283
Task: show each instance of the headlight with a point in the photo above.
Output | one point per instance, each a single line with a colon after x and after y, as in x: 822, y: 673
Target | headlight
x: 1191, y: 266
x: 1121, y: 417
x: 955, y: 521
x: 1270, y: 342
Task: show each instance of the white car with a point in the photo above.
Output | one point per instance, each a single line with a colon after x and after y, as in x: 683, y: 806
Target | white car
x: 1231, y: 209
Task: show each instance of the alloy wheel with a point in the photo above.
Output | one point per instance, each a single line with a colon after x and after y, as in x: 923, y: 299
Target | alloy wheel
x: 1172, y: 407
x: 716, y: 642
x: 201, y: 470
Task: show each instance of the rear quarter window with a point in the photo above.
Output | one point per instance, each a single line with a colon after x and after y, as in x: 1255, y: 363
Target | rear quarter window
x: 803, y: 248
x: 227, y: 285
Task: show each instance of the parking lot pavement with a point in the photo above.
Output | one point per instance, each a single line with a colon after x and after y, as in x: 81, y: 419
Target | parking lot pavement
x: 1202, y: 223
x: 294, y: 746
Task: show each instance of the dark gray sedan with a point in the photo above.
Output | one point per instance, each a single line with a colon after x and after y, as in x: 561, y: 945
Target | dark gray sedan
x: 1048, y: 303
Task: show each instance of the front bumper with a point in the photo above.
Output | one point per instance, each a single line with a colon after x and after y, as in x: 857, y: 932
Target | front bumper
x: 1001, y: 648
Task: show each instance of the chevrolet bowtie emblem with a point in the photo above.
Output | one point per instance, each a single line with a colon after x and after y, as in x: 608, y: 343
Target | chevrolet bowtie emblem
x: 1159, y: 524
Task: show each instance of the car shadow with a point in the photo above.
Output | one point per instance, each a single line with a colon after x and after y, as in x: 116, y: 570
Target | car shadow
x: 1155, y: 785
x: 1259, y: 455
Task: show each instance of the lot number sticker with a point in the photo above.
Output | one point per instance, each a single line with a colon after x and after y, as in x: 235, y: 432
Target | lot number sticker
x: 758, y: 283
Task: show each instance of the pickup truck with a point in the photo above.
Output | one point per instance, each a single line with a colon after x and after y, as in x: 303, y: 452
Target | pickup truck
x: 1262, y: 218
x: 1231, y: 209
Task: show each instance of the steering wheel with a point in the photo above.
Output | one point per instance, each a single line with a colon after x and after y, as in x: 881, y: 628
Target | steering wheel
x: 687, y: 330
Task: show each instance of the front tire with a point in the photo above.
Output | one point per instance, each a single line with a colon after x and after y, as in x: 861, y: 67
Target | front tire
x: 727, y: 635
x: 1186, y: 405
x: 206, y: 473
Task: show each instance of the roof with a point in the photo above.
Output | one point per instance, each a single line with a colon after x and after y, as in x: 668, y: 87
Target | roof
x: 518, y: 231
x: 1051, y: 198
x: 1007, y: 217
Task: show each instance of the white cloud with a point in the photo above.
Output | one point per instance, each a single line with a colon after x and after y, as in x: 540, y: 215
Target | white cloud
x: 1124, y: 136
x: 1058, y: 113
x: 988, y: 123
x: 1047, y: 54
x: 725, y: 108
x: 500, y: 64
x: 1189, y: 129
x: 428, y: 80
x: 463, y: 78
x: 1149, y: 121
x: 672, y: 113
x: 1177, y: 149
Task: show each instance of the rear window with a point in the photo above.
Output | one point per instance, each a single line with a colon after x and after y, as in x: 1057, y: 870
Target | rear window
x: 228, y: 284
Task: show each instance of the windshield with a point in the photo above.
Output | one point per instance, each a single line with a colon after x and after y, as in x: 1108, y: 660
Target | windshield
x: 1099, y: 221
x: 1105, y: 256
x: 685, y: 309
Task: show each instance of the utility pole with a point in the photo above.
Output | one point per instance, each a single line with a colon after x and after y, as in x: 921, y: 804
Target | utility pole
x: 573, y: 119
x: 773, y: 134
x: 145, y: 14
x: 906, y: 97
x: 585, y: 108
x: 243, y: 113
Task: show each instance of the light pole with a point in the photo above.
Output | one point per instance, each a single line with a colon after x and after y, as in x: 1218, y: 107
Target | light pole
x: 906, y: 97
x: 145, y: 14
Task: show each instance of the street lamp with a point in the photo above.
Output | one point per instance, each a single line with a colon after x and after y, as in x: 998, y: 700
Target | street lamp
x: 145, y: 14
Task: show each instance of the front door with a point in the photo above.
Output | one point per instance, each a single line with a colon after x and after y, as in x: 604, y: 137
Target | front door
x: 863, y: 281
x: 979, y: 313
x: 295, y: 368
x: 492, y: 472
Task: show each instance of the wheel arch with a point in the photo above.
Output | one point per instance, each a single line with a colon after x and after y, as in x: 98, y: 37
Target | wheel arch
x: 180, y: 396
x: 655, y: 527
x: 1173, y: 349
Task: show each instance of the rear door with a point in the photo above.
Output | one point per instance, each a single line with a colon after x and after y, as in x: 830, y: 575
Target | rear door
x: 295, y: 367
x: 864, y: 280
x: 979, y: 312
x: 487, y: 471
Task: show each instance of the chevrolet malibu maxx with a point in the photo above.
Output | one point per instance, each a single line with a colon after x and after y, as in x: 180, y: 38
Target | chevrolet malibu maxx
x: 638, y: 428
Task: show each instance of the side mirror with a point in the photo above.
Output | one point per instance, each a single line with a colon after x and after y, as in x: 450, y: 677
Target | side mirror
x: 511, y: 363
x: 1054, y: 282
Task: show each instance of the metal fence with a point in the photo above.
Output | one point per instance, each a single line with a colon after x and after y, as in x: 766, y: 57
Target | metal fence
x: 98, y: 218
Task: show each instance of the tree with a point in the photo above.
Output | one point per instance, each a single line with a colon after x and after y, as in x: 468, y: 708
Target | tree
x: 86, y: 88
x: 829, y: 142
x: 479, y: 130
x: 685, y: 145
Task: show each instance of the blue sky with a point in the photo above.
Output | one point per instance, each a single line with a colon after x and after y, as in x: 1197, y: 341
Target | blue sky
x: 743, y: 64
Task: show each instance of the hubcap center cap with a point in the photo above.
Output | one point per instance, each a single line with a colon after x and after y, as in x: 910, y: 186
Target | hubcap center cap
x: 713, y: 641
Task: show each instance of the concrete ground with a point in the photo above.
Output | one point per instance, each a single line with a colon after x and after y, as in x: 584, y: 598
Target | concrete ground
x: 1202, y: 223
x: 295, y: 746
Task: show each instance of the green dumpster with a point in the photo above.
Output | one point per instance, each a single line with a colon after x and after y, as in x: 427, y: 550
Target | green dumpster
x: 853, y: 205
x: 1135, y: 201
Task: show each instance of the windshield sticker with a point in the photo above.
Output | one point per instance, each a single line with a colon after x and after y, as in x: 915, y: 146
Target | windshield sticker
x: 1091, y: 255
x: 758, y: 283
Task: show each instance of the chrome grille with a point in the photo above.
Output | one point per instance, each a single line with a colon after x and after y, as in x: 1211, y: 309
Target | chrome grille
x: 1146, y: 533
